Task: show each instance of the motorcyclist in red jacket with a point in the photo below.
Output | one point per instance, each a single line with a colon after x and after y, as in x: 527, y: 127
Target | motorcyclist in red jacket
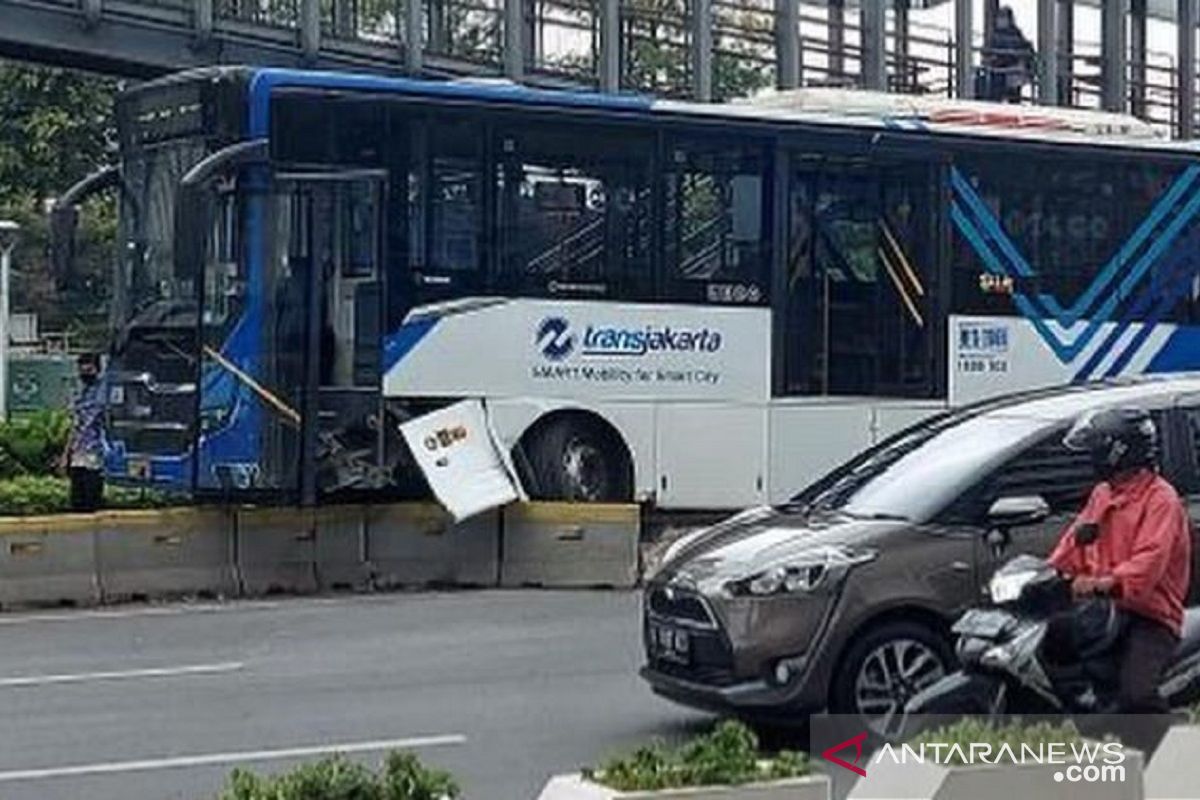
x: 1132, y: 541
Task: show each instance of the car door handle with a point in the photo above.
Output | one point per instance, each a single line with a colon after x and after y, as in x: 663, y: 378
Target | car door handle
x: 960, y: 566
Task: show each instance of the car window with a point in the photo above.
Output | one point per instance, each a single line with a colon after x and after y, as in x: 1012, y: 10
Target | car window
x: 1046, y: 468
x: 918, y: 474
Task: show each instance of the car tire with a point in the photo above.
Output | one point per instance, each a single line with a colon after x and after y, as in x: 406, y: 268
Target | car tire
x: 900, y: 657
x: 578, y: 459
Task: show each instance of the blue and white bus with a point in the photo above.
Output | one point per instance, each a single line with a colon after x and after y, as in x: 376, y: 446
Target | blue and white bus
x: 700, y: 306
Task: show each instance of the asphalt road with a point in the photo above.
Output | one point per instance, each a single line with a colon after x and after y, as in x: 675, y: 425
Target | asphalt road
x: 501, y: 688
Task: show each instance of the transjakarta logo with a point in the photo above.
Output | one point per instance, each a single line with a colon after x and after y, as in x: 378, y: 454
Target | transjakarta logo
x: 556, y: 341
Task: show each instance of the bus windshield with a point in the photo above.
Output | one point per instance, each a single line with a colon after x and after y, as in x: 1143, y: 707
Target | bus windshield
x: 147, y: 273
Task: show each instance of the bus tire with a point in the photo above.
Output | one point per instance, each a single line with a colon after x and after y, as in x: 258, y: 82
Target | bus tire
x: 578, y: 459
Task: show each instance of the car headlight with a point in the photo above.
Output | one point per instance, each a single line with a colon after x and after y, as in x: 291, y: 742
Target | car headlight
x: 804, y: 573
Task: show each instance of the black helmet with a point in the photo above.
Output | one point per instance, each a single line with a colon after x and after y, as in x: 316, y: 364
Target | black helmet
x: 1117, y: 439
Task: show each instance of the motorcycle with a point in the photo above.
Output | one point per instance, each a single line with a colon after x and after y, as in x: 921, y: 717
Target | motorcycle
x: 1007, y: 658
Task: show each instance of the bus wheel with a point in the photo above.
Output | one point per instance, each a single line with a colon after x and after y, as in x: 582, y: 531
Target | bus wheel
x: 579, y: 459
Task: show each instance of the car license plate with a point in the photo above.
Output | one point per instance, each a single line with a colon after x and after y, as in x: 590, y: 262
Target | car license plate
x: 670, y: 644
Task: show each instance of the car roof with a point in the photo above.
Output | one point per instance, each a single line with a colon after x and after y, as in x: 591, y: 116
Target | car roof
x: 1066, y: 403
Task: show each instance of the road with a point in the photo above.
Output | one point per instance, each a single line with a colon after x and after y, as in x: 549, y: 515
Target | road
x: 147, y: 703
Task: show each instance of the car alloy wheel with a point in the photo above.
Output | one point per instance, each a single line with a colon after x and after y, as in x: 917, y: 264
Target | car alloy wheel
x: 889, y: 677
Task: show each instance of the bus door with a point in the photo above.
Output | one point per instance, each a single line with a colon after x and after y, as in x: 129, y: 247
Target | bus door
x: 859, y: 292
x: 310, y: 382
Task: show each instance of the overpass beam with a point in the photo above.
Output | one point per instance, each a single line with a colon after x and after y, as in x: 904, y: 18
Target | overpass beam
x: 964, y: 48
x: 1113, y: 84
x: 1137, y: 57
x: 514, y: 34
x: 310, y: 30
x: 92, y: 10
x: 787, y: 44
x: 414, y: 44
x: 837, y: 39
x: 702, y: 50
x: 610, y: 46
x: 202, y: 20
x: 1047, y: 20
x: 1066, y: 49
x: 1187, y: 69
x: 874, y: 46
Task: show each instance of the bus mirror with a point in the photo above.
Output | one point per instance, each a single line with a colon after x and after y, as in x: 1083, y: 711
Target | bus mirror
x: 64, y: 220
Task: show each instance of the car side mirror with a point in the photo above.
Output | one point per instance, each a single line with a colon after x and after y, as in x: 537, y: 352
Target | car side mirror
x: 1012, y: 512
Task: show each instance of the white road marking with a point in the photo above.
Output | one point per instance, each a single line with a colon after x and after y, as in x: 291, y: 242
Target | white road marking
x: 217, y: 759
x: 129, y: 674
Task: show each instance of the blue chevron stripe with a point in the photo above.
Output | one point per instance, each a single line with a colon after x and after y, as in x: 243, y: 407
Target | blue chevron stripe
x: 1068, y: 317
x: 1181, y: 284
x: 1016, y: 263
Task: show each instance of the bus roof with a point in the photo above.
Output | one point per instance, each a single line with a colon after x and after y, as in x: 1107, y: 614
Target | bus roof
x: 812, y: 106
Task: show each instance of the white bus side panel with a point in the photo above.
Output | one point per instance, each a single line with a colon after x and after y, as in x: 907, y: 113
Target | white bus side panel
x: 711, y: 456
x: 587, y: 351
x: 994, y: 355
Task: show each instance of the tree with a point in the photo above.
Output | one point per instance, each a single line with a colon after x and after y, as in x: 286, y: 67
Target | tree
x: 56, y: 126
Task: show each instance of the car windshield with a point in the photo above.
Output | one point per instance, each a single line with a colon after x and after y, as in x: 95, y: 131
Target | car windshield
x: 917, y: 473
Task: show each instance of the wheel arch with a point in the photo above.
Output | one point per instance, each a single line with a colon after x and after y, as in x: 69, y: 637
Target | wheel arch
x: 901, y: 612
x: 577, y: 413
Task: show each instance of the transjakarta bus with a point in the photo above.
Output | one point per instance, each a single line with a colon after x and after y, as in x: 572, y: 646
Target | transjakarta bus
x: 702, y: 306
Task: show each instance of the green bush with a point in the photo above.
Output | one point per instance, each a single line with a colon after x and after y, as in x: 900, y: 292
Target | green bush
x: 31, y: 444
x: 26, y: 495
x: 1014, y: 734
x: 727, y: 756
x: 402, y: 777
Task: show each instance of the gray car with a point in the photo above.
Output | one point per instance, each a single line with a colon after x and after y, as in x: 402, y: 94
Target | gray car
x: 842, y: 599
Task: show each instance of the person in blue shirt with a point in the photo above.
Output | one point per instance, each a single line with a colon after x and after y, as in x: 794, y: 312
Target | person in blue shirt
x: 84, y: 454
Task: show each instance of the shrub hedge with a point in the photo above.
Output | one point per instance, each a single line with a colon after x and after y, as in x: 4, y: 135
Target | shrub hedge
x: 402, y: 777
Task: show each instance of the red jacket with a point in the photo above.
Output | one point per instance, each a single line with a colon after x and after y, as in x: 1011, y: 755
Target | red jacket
x: 1145, y: 543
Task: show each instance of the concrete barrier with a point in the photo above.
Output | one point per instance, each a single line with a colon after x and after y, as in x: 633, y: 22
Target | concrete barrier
x: 340, y: 548
x: 48, y: 560
x: 417, y: 544
x: 275, y: 550
x: 569, y: 545
x: 168, y: 553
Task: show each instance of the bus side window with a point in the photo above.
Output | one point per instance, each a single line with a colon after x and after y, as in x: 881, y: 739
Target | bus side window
x: 574, y: 221
x: 445, y: 198
x: 716, y: 222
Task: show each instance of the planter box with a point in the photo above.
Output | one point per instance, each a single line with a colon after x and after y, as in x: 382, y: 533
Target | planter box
x: 1174, y: 771
x: 575, y: 787
x: 913, y: 781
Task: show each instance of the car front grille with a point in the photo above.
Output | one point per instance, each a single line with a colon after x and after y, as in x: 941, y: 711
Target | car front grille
x: 680, y: 605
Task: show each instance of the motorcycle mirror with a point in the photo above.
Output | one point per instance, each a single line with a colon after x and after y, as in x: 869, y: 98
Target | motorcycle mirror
x: 997, y: 539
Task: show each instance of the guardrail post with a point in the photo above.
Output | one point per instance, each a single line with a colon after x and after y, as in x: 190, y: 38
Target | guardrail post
x: 514, y: 47
x: 964, y: 49
x: 414, y: 37
x: 1112, y: 55
x: 310, y: 29
x: 92, y: 10
x: 874, y: 46
x: 787, y: 43
x: 202, y: 20
x: 1187, y: 69
x: 610, y: 46
x: 1047, y: 16
x: 702, y: 50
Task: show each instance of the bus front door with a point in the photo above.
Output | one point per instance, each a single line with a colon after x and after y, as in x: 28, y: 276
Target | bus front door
x: 305, y: 375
